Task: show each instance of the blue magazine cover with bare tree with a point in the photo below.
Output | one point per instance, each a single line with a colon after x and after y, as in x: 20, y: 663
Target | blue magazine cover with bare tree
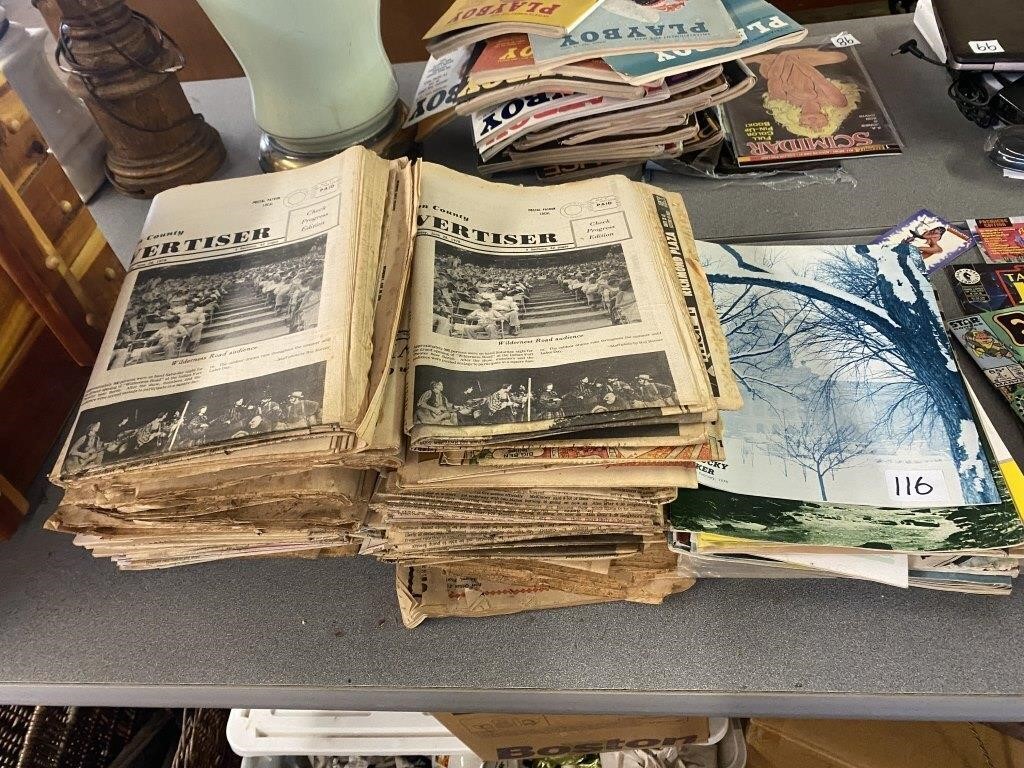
x: 852, y: 395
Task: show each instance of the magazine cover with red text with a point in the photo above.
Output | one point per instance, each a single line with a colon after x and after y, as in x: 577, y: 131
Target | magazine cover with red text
x: 811, y: 101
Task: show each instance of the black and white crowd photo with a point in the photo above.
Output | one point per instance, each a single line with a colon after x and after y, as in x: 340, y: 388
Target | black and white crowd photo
x: 135, y: 429
x: 203, y: 306
x: 456, y: 398
x: 484, y: 296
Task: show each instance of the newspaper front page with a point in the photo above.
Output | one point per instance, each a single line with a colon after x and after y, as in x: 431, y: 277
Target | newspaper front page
x: 543, y: 311
x: 235, y: 323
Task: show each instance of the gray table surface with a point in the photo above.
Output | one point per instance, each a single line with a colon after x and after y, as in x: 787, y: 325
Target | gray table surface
x: 326, y: 634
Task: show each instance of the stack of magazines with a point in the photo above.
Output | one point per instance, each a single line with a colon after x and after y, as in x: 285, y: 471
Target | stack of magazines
x: 858, y: 453
x: 520, y: 414
x: 595, y: 85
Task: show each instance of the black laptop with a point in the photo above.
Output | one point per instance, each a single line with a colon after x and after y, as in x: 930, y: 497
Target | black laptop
x: 982, y: 34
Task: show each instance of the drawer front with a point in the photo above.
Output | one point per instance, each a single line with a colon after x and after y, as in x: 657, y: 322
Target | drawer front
x: 22, y: 147
x: 51, y: 198
x: 100, y: 273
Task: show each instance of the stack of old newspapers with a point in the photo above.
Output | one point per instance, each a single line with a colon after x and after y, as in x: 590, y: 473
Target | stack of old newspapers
x: 244, y: 390
x: 566, y: 371
x: 507, y: 429
x: 583, y: 87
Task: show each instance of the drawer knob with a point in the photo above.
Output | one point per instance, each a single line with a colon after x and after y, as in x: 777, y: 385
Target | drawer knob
x: 66, y: 206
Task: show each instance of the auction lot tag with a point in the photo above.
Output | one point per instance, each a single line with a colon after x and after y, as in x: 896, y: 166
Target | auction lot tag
x: 913, y: 485
x: 985, y: 46
x: 844, y: 40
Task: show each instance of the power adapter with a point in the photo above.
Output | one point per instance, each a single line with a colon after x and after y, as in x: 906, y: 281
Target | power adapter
x: 985, y: 98
x: 1008, y: 103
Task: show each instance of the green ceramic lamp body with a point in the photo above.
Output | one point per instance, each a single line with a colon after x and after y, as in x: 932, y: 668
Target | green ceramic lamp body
x: 320, y: 78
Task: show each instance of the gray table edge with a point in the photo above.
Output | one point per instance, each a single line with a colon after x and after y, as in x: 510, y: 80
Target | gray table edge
x: 975, y: 707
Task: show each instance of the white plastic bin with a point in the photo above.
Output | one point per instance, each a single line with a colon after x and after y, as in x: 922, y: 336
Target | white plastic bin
x: 269, y: 732
x: 275, y: 732
x: 732, y: 749
x: 702, y: 753
x: 718, y: 729
x: 287, y: 761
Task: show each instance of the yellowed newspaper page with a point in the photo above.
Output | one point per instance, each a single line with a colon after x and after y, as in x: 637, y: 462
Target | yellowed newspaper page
x: 233, y: 323
x: 539, y: 310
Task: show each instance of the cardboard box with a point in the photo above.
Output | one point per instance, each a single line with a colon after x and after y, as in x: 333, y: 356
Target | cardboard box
x: 514, y: 737
x: 878, y: 744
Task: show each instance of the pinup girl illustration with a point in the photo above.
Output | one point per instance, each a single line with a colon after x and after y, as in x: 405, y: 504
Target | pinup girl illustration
x: 930, y: 241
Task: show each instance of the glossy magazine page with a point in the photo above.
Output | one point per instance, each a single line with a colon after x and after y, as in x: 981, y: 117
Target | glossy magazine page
x: 811, y: 101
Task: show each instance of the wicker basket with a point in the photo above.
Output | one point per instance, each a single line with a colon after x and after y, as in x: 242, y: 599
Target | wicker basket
x: 92, y: 737
x: 14, y: 722
x: 203, y: 742
x: 77, y: 737
x: 63, y: 737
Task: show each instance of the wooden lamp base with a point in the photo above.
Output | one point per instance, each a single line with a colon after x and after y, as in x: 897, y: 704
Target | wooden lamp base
x: 123, y: 67
x: 196, y: 160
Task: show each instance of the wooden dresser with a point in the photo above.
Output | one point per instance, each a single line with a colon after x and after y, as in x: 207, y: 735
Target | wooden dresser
x: 58, y: 282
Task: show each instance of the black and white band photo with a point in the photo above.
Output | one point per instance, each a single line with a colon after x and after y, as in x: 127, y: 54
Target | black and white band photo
x: 135, y: 429
x: 203, y: 306
x: 456, y: 398
x: 483, y: 296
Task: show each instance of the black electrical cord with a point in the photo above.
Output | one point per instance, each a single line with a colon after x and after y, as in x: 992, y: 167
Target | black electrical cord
x: 973, y: 100
x: 967, y: 91
x: 912, y: 47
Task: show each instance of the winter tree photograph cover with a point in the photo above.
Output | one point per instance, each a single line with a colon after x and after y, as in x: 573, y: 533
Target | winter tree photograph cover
x: 851, y: 393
